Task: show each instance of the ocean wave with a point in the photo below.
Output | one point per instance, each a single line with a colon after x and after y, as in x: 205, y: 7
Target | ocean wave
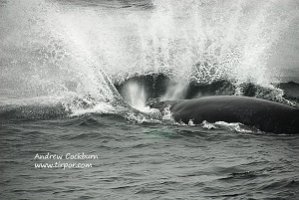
x: 40, y: 108
x: 32, y: 112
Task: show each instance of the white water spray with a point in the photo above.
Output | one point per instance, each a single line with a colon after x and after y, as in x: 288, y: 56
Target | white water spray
x: 50, y: 49
x: 135, y: 95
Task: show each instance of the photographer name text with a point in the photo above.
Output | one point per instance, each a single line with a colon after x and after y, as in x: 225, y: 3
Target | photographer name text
x: 67, y: 156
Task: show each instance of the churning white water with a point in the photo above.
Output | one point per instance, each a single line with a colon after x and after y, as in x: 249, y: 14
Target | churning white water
x: 53, y: 49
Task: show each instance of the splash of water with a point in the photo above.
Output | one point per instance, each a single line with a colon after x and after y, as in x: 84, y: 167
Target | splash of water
x: 135, y: 95
x: 75, y: 52
x: 45, y: 58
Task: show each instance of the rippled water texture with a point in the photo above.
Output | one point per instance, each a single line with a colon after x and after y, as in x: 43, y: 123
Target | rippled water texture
x: 147, y: 161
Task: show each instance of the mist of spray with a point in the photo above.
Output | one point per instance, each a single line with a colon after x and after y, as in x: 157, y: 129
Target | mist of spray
x: 74, y: 53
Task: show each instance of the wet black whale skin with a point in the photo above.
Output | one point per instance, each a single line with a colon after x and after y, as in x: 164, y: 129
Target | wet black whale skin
x: 265, y: 115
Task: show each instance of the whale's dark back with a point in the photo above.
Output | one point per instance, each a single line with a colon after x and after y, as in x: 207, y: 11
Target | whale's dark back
x: 295, y: 122
x: 265, y: 115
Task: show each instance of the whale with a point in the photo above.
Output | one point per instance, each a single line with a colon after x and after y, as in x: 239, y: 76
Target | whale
x: 265, y: 115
